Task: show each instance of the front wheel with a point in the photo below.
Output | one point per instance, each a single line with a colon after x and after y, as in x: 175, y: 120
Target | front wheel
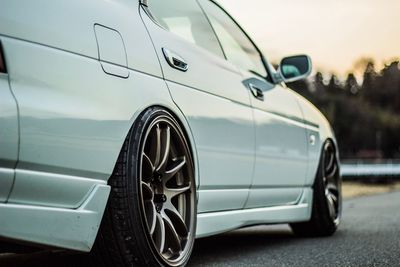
x: 150, y: 219
x: 327, y: 197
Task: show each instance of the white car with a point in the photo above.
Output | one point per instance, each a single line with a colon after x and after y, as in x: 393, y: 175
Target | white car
x: 129, y: 128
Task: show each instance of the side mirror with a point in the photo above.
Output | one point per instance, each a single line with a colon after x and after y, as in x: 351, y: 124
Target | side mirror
x: 295, y: 68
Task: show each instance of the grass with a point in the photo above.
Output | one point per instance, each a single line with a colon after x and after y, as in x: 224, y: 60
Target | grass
x: 357, y: 189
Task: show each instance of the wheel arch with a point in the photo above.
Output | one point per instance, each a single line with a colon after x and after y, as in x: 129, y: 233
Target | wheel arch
x: 180, y: 118
x: 322, y: 143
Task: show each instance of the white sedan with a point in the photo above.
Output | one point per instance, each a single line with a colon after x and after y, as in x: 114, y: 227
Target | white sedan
x: 129, y: 128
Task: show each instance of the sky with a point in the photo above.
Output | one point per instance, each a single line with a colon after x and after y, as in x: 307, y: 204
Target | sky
x: 335, y: 33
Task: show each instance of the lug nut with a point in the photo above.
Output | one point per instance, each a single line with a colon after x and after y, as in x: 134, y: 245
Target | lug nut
x: 160, y: 198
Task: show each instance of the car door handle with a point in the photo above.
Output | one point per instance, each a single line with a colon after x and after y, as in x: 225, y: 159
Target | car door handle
x: 256, y: 92
x: 175, y: 60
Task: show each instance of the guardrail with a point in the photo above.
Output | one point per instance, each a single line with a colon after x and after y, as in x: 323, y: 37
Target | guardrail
x: 361, y: 168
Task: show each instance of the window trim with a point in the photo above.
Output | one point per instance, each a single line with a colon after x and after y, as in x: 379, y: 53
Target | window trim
x: 146, y: 8
x: 269, y: 78
x: 263, y: 59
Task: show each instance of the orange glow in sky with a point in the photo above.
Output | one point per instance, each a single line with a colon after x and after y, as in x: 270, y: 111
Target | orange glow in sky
x: 334, y: 33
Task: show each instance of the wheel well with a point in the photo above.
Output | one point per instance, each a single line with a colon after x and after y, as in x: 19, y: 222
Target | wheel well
x: 186, y: 130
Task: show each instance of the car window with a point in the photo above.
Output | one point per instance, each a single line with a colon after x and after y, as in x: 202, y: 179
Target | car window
x: 236, y: 45
x: 186, y: 19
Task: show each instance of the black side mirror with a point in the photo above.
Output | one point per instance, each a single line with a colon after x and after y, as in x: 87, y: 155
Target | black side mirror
x: 295, y: 68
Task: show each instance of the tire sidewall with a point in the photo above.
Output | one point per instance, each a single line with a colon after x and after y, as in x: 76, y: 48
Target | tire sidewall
x: 136, y: 212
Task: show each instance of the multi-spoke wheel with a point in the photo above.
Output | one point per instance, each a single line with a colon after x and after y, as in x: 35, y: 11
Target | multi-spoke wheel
x: 151, y: 215
x: 327, y: 198
x: 331, y: 179
x: 167, y: 190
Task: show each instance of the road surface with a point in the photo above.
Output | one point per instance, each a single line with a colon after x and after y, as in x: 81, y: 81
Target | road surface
x: 368, y: 236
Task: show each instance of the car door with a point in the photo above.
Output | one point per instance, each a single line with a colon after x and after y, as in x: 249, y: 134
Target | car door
x: 209, y: 91
x: 281, y: 140
x: 8, y: 133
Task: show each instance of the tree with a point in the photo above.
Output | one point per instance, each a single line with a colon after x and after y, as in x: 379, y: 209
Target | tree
x: 351, y: 85
x: 368, y: 88
x: 366, y: 118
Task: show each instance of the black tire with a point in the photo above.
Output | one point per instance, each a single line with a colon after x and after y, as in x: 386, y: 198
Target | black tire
x: 125, y: 238
x: 327, y: 198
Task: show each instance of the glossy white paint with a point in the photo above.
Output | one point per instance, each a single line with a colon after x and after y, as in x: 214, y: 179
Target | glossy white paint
x: 281, y: 143
x: 80, y: 116
x: 49, y: 189
x: 217, y: 106
x: 69, y: 25
x: 321, y: 133
x: 6, y: 182
x: 217, y: 222
x: 220, y: 199
x: 269, y: 197
x: 111, y: 49
x: 74, y: 229
x: 281, y: 140
x: 223, y: 132
x: 80, y: 86
x: 8, y: 137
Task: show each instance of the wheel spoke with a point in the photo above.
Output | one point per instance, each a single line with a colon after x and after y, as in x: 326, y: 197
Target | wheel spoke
x: 333, y: 197
x: 147, y: 192
x: 150, y: 210
x: 332, y: 187
x: 172, y: 192
x: 154, y: 219
x: 156, y: 146
x: 177, y: 219
x: 331, y: 205
x: 330, y: 174
x: 176, y: 167
x: 160, y: 234
x: 174, y: 241
x: 164, y: 151
x: 147, y: 163
x: 151, y: 216
x: 331, y: 161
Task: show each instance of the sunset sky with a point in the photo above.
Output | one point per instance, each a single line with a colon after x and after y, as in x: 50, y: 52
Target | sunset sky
x: 334, y: 33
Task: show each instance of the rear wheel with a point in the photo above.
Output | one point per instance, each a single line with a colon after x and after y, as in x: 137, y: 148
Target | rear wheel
x: 327, y: 197
x: 150, y: 219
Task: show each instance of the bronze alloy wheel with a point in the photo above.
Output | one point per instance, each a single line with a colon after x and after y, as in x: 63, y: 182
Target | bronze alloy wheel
x: 331, y: 180
x: 167, y: 190
x: 151, y: 214
x: 327, y: 197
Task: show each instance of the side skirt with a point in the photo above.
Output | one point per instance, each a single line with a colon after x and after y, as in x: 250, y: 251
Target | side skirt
x: 217, y: 222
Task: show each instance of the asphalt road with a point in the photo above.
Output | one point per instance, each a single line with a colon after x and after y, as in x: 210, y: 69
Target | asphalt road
x: 368, y: 236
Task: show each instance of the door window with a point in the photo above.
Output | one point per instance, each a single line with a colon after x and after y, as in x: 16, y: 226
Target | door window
x: 186, y: 19
x: 237, y: 46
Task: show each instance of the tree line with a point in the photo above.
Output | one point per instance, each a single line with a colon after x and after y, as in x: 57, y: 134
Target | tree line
x: 365, y: 115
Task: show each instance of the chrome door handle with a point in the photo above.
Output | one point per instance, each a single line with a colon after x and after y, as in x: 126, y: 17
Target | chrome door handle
x: 257, y: 92
x: 174, y: 60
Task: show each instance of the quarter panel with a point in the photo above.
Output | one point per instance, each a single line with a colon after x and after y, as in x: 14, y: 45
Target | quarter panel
x: 322, y: 133
x: 73, y: 117
x: 69, y: 25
